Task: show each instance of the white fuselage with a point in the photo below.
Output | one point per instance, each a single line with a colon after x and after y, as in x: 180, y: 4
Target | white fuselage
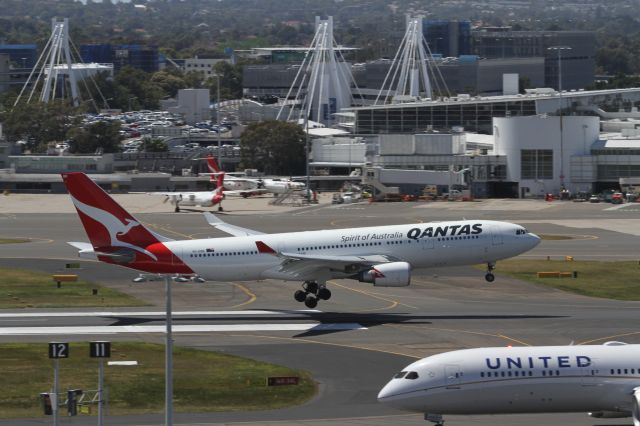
x: 422, y: 245
x: 597, y: 378
x: 199, y: 198
x: 275, y: 186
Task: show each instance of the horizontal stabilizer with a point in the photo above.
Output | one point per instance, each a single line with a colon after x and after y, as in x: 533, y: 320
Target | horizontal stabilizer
x: 85, y: 250
x: 236, y: 231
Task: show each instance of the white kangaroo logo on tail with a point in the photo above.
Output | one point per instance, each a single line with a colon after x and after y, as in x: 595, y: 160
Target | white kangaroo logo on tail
x: 114, y: 226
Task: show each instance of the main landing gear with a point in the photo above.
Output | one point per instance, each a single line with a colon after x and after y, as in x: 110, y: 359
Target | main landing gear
x: 489, y: 275
x: 434, y: 418
x: 311, y: 293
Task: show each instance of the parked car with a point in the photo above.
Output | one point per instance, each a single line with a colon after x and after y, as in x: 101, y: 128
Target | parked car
x: 617, y: 198
x: 594, y: 199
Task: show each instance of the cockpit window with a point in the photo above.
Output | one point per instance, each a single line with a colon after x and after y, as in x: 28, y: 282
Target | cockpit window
x: 521, y: 231
x: 400, y: 375
x: 412, y: 375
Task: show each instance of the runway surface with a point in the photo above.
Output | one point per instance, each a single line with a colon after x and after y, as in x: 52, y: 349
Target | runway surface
x: 353, y: 343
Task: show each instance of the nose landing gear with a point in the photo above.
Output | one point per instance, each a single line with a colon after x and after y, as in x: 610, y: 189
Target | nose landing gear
x: 311, y: 293
x: 489, y: 275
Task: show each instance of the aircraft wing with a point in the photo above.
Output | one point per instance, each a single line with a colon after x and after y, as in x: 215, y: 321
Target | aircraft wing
x: 303, y: 266
x: 236, y: 231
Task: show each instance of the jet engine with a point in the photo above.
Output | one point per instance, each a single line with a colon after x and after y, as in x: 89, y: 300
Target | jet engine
x: 394, y: 274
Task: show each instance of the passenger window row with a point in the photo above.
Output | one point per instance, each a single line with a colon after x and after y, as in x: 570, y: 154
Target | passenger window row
x: 231, y: 253
x: 621, y: 371
x: 339, y: 246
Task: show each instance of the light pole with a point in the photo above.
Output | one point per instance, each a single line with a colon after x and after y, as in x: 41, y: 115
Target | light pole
x: 218, y: 119
x: 559, y: 49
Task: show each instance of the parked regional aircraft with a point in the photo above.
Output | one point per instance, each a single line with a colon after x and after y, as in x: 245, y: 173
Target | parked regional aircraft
x: 274, y: 186
x: 382, y: 255
x: 197, y: 198
x: 603, y: 380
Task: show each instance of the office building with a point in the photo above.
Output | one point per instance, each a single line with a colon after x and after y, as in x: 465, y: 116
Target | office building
x: 20, y: 55
x: 448, y: 38
x: 137, y: 56
x: 578, y: 62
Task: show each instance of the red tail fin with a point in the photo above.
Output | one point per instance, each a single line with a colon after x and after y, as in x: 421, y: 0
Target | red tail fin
x: 116, y: 236
x: 107, y: 224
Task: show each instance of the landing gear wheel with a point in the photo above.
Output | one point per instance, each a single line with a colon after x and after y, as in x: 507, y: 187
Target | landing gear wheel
x: 220, y: 209
x: 324, y: 293
x: 311, y: 301
x: 177, y: 209
x: 310, y: 286
x: 489, y: 277
x: 300, y: 295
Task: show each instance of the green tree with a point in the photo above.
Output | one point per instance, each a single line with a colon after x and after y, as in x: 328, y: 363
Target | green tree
x: 100, y: 136
x: 168, y: 82
x: 153, y: 145
x: 39, y: 123
x: 230, y: 81
x: 276, y: 147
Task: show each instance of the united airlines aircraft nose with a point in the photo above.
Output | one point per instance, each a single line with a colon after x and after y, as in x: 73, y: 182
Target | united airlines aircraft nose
x: 535, y: 240
x: 387, y: 392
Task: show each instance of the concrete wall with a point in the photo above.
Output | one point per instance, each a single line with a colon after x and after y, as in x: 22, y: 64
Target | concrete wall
x: 514, y: 134
x: 193, y: 105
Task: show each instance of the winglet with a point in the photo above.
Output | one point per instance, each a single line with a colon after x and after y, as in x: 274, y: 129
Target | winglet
x: 264, y: 249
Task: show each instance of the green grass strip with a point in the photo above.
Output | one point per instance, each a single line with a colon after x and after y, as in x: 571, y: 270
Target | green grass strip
x: 204, y: 381
x: 611, y: 280
x: 28, y: 289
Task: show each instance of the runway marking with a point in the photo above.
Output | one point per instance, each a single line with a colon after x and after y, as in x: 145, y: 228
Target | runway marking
x: 394, y: 303
x: 392, y: 419
x: 620, y: 207
x: 149, y: 313
x: 317, y: 342
x: 615, y: 336
x: 90, y: 330
x: 168, y: 230
x: 426, y: 327
x: 252, y: 297
x: 32, y: 240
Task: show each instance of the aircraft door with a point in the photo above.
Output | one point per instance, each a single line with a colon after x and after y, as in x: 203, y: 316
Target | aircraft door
x: 590, y: 374
x: 452, y: 376
x: 427, y: 243
x: 496, y: 235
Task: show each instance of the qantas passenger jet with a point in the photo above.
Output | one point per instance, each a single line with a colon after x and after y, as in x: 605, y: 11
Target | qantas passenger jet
x: 382, y: 255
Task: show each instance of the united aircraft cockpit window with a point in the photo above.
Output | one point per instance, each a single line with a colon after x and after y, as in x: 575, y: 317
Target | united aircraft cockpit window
x: 400, y: 375
x: 411, y: 376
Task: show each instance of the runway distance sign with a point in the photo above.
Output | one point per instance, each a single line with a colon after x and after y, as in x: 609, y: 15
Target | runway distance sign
x: 100, y: 349
x: 283, y: 381
x: 58, y: 350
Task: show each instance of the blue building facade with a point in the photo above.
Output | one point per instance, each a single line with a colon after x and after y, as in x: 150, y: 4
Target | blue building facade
x: 21, y: 55
x: 448, y: 38
x: 138, y: 56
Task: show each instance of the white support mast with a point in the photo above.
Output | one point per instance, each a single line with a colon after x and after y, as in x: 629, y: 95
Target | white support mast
x: 408, y: 75
x: 323, y: 81
x: 51, y: 63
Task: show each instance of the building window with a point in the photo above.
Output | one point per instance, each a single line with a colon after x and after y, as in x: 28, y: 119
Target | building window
x: 536, y: 164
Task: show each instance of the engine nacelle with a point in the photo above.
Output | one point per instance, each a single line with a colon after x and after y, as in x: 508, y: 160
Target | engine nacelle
x: 610, y: 414
x: 394, y: 274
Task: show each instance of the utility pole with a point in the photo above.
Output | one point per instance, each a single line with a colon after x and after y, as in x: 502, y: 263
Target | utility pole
x: 559, y: 49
